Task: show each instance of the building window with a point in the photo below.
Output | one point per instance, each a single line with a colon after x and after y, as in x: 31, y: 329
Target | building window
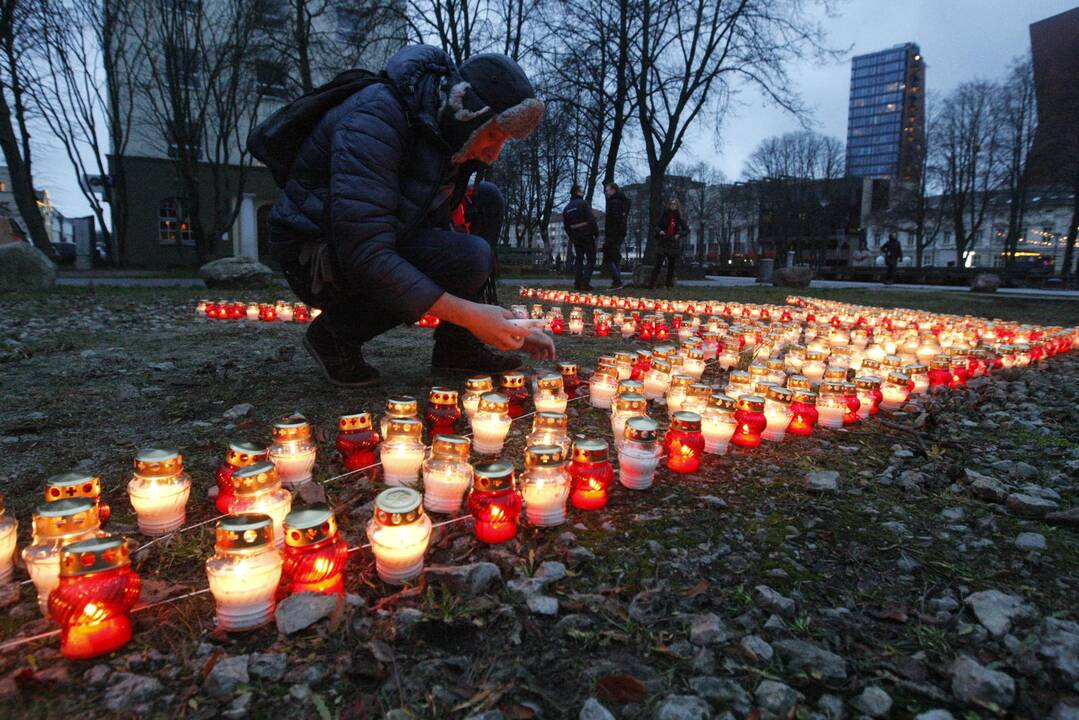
x: 271, y: 78
x: 352, y: 23
x: 173, y: 223
x: 271, y: 14
x: 3, y: 186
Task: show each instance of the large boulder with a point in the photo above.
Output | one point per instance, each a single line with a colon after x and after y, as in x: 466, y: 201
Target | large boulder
x: 798, y: 276
x: 236, y: 273
x: 24, y: 267
x: 985, y: 283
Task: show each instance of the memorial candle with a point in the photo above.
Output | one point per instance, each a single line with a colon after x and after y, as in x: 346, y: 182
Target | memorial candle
x: 442, y: 413
x: 490, y: 424
x: 625, y: 407
x: 494, y: 503
x: 777, y: 413
x: 251, y: 312
x: 739, y: 383
x: 550, y: 396
x: 694, y: 364
x: 315, y: 553
x: 9, y: 528
x: 244, y: 572
x: 357, y: 441
x: 639, y: 454
x: 642, y: 363
x: 677, y: 392
x: 399, y: 532
x: 684, y: 443
x: 718, y: 423
x: 623, y: 364
x: 402, y: 451
x: 728, y: 356
x: 602, y: 388
x: 238, y: 456
x: 550, y: 429
x: 803, y: 412
x: 869, y: 395
x: 475, y: 387
x: 940, y: 371
x: 399, y: 408
x: 446, y: 474
x: 258, y: 490
x: 292, y: 451
x: 545, y: 485
x: 77, y: 484
x: 831, y: 405
x: 657, y: 379
x: 96, y: 592
x: 591, y: 474
x: 919, y: 375
x: 776, y: 373
x: 571, y: 381
x: 813, y: 367
x: 159, y: 490
x: 55, y: 525
x: 895, y: 391
x: 513, y: 388
x: 850, y: 395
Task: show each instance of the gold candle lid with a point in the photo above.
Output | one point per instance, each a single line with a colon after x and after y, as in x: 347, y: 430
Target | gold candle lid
x: 751, y: 403
x: 623, y: 358
x: 70, y: 485
x: 94, y: 555
x: 816, y: 355
x: 442, y: 396
x: 663, y: 351
x: 775, y: 364
x: 686, y: 421
x: 778, y: 394
x: 480, y: 384
x: 757, y: 369
x: 255, y: 478
x: 158, y: 462
x: 695, y: 353
x: 631, y: 402
x: 832, y: 388
x: 722, y: 402
x: 644, y: 355
x: 740, y: 377
x: 892, y: 361
x: 661, y: 365
x: 309, y: 525
x: 402, y: 406
x: 294, y: 427
x: 494, y: 402
x: 492, y: 477
x: 605, y: 361
x: 629, y: 387
x: 835, y: 374
x: 241, y: 454
x: 455, y: 446
x: 244, y: 533
x: 398, y: 506
x: 567, y: 369
x: 699, y: 390
x: 915, y: 369
x: 798, y: 382
x: 549, y: 421
x: 941, y: 362
x: 640, y: 429
x: 358, y: 421
x: 590, y: 451
x: 683, y: 381
x: 867, y: 382
x: 404, y: 427
x: 898, y: 378
x: 553, y: 383
x: 761, y: 388
x: 513, y: 380
x: 870, y: 364
x: 64, y: 518
x: 543, y: 456
x: 806, y: 397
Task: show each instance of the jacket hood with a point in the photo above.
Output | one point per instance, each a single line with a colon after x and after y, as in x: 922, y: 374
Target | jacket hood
x: 423, y: 75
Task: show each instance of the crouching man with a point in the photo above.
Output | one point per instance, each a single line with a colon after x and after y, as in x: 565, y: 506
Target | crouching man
x: 372, y: 170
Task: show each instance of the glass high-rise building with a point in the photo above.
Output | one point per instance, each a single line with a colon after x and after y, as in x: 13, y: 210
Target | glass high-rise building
x: 886, y: 121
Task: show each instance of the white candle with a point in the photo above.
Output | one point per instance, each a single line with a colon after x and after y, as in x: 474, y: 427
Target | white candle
x: 550, y: 395
x: 895, y: 391
x: 399, y: 533
x: 491, y: 424
x: 814, y: 370
x: 657, y: 379
x: 159, y: 491
x: 244, y: 572
x: 728, y: 358
x: 694, y: 365
x: 919, y: 375
x: 545, y: 485
x: 292, y: 451
x: 258, y: 490
x: 252, y: 311
x: 57, y: 524
x: 446, y: 474
x: 717, y: 427
x: 628, y: 329
x: 550, y: 429
x: 401, y: 461
x: 677, y: 392
x: 866, y: 399
x: 830, y: 410
x: 576, y: 326
x: 625, y: 407
x: 685, y: 332
x: 602, y: 389
x: 623, y: 364
x: 777, y: 413
x: 475, y: 387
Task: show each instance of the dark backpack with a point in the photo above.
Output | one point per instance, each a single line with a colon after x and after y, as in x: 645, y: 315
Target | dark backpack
x: 276, y: 141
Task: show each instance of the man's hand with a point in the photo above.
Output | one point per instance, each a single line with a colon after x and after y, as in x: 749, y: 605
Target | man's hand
x: 540, y: 346
x: 490, y: 323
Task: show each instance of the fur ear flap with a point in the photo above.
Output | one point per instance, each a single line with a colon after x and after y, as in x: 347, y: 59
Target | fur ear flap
x: 455, y: 99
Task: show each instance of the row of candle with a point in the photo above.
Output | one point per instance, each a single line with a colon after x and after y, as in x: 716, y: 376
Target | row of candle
x: 280, y: 311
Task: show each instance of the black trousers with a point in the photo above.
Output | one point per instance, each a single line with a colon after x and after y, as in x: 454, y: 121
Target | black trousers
x: 584, y: 249
x: 672, y: 260
x: 612, y: 258
x: 890, y: 275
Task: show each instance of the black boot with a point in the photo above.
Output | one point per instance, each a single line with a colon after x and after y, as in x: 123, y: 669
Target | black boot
x: 341, y: 361
x: 456, y: 349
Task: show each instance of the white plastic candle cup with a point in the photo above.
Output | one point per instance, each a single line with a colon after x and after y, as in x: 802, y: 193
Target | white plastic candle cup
x: 491, y: 424
x: 399, y: 532
x: 602, y: 389
x: 545, y: 486
x: 778, y: 416
x: 447, y: 474
x: 159, y: 491
x: 401, y: 461
x: 244, y: 572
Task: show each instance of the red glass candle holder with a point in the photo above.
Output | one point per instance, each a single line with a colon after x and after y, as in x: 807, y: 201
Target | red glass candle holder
x: 495, y: 503
x: 591, y: 474
x: 315, y: 552
x: 804, y: 413
x: 442, y: 413
x: 94, y: 598
x: 958, y: 375
x: 641, y: 365
x: 301, y: 314
x: 516, y: 391
x: 662, y: 332
x: 603, y: 328
x: 238, y: 456
x: 357, y: 440
x: 684, y: 443
x: 751, y: 421
x: 558, y: 326
x: 940, y: 372
x: 267, y: 313
x: 571, y: 380
x: 850, y: 394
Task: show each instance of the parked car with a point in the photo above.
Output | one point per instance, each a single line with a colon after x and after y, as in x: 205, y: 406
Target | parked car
x: 65, y: 252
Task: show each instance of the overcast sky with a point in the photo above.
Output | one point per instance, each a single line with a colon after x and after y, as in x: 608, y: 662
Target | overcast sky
x: 960, y: 40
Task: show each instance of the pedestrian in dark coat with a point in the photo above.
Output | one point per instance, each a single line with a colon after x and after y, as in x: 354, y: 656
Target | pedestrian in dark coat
x: 670, y: 229
x: 893, y: 253
x: 615, y: 224
x: 582, y: 230
x: 362, y: 228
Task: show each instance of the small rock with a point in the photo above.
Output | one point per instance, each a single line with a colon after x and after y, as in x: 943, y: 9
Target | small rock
x: 469, y: 580
x: 1063, y: 711
x: 405, y: 621
x: 236, y: 412
x: 240, y: 707
x: 822, y: 481
x: 873, y: 702
x: 549, y: 572
x: 593, y: 709
x: 767, y: 598
x: 776, y: 698
x: 937, y: 714
x: 985, y: 487
x: 267, y: 666
x: 722, y: 691
x: 1064, y: 517
x: 1030, y: 541
x: 579, y: 556
x: 542, y: 604
x: 756, y: 649
x: 708, y: 629
x: 996, y: 610
x: 954, y: 514
x: 1030, y: 505
x: 802, y: 656
x: 831, y: 706
x: 128, y: 691
x: 683, y: 707
x: 713, y: 501
x: 1060, y: 646
x: 974, y: 684
x: 97, y: 675
x: 302, y: 610
x: 226, y: 674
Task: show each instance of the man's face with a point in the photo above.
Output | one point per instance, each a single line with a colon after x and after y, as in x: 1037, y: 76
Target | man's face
x: 485, y: 146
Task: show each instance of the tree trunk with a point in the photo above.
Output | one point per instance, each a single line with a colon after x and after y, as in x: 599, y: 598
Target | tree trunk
x: 22, y: 186
x: 656, y: 187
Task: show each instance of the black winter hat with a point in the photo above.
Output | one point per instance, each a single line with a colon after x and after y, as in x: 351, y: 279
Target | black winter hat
x: 494, y: 88
x: 498, y: 80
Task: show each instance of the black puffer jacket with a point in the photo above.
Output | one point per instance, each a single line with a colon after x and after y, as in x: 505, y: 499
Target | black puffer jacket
x: 375, y: 166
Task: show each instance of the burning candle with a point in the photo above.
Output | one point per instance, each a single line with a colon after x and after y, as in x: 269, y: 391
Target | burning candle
x: 97, y: 590
x: 56, y: 524
x: 513, y: 388
x: 77, y: 484
x: 494, y: 503
x: 244, y: 571
x: 776, y: 374
x: 693, y: 364
x: 258, y: 490
x: 718, y: 423
x: 677, y: 392
x: 919, y: 375
x: 442, y: 411
x: 302, y: 314
x: 777, y: 414
x: 550, y: 396
x: 602, y: 388
x: 625, y: 407
x: 159, y: 491
x: 639, y: 454
x: 751, y: 421
x: 491, y: 424
x: 267, y: 313
x: 576, y: 326
x: 252, y: 311
x: 658, y: 378
x: 357, y: 440
x: 239, y: 455
x: 803, y: 412
x: 711, y: 344
x: 623, y: 364
x: 402, y: 451
x: 869, y: 395
x: 940, y: 372
x: 728, y: 356
x: 591, y: 474
x: 550, y: 429
x: 9, y: 528
x: 895, y: 391
x: 284, y: 312
x: 292, y: 451
x: 571, y: 381
x: 545, y: 485
x: 684, y: 443
x: 697, y: 396
x: 831, y: 405
x: 642, y: 363
x: 475, y: 387
x: 315, y: 553
x: 399, y: 408
x: 399, y: 533
x: 629, y: 328
x: 850, y: 395
x: 446, y: 474
x: 813, y: 367
x: 739, y: 383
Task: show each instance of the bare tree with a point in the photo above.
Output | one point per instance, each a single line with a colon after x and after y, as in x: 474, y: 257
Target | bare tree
x: 702, y: 202
x: 19, y: 30
x: 965, y: 159
x: 803, y: 154
x: 1017, y: 119
x: 459, y: 27
x: 690, y: 56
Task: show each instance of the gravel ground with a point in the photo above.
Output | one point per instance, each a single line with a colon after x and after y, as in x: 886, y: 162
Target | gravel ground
x: 925, y: 565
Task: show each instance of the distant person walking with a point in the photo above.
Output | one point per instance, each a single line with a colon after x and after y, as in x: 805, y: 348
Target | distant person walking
x: 893, y: 253
x: 670, y: 229
x: 614, y: 231
x: 582, y: 231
